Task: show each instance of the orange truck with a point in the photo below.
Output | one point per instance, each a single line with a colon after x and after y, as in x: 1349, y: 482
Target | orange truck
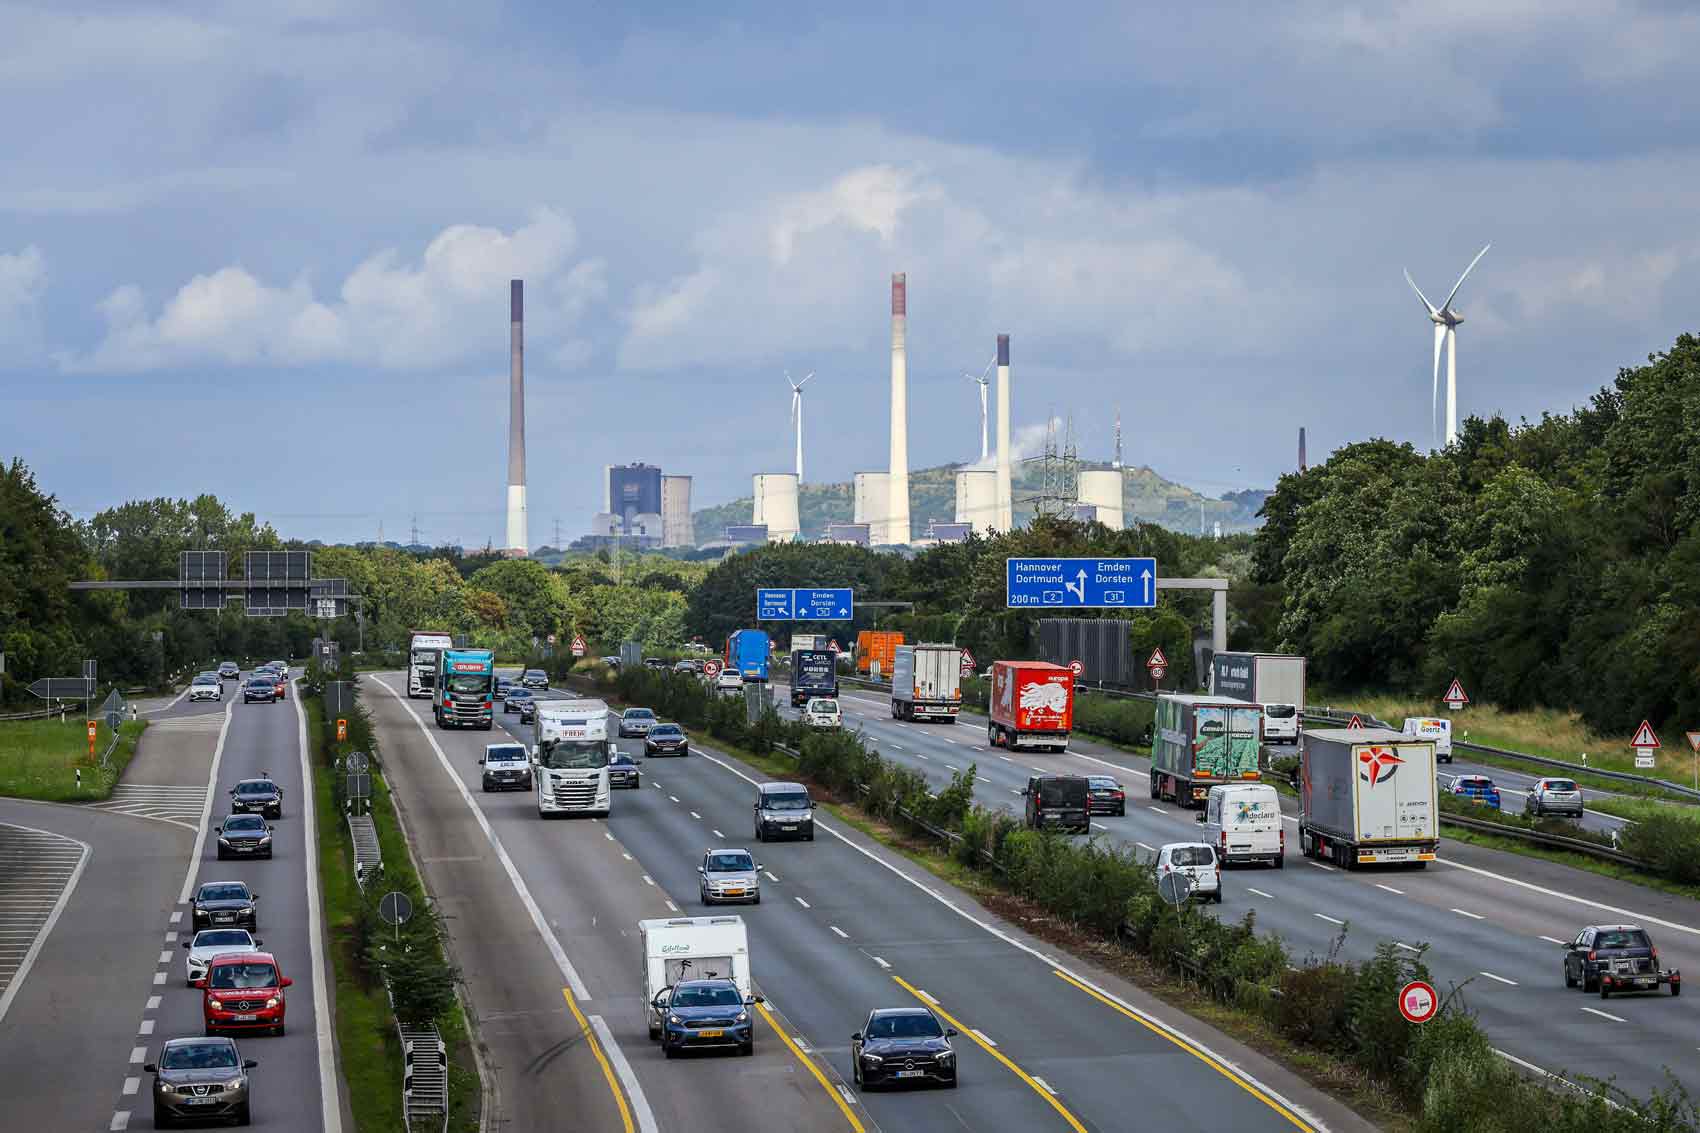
x: 1032, y: 705
x: 877, y: 645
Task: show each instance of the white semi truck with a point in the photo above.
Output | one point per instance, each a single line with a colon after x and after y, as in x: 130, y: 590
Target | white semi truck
x: 926, y: 682
x: 1274, y: 680
x: 424, y: 647
x: 1368, y: 796
x: 572, y: 740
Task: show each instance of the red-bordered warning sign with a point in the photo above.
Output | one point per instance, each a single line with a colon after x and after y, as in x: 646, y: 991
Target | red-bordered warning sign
x: 1455, y: 697
x: 1644, y: 736
x: 579, y: 645
x: 1355, y: 722
x: 1418, y: 1002
x: 1157, y: 660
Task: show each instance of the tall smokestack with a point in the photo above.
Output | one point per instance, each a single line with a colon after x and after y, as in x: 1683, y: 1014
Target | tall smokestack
x: 1301, y: 448
x: 517, y: 542
x: 899, y: 481
x: 1006, y: 506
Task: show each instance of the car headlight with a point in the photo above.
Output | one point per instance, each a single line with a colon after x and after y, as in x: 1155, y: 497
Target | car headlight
x: 874, y: 1058
x: 246, y: 909
x: 741, y: 1017
x: 946, y: 1055
x: 273, y: 1001
x: 266, y: 841
x: 223, y: 841
x: 675, y: 1020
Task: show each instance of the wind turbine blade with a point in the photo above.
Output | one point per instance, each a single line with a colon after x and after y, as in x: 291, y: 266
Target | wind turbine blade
x: 1434, y: 397
x: 1430, y: 307
x: 805, y: 380
x: 1466, y: 275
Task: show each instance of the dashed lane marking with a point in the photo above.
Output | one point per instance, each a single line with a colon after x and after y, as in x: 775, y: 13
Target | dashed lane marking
x: 801, y: 902
x: 1260, y: 892
x: 1329, y: 919
x: 1604, y: 1014
x: 839, y: 931
x: 1467, y: 913
x: 1501, y: 979
x: 1390, y: 889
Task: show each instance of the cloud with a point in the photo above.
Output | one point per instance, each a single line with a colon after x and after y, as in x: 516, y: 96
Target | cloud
x: 23, y: 276
x: 436, y: 311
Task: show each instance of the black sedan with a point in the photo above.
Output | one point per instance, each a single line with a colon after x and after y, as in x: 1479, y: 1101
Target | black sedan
x: 200, y: 1079
x: 534, y: 678
x: 257, y: 796
x: 623, y: 771
x: 899, y: 1045
x: 224, y: 904
x: 503, y: 687
x: 518, y: 699
x: 259, y: 688
x: 1105, y: 796
x: 666, y: 739
x: 244, y: 836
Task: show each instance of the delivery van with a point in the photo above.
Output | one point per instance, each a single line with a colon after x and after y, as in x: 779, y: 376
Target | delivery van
x: 1436, y: 729
x: 1243, y: 822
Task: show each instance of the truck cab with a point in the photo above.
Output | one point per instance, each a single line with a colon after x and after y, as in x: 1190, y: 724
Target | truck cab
x: 464, y: 691
x: 570, y: 757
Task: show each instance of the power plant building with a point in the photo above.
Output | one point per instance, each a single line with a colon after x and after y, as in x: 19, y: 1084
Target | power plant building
x: 977, y: 498
x: 775, y: 506
x: 882, y: 498
x: 1102, y: 492
x: 677, y: 527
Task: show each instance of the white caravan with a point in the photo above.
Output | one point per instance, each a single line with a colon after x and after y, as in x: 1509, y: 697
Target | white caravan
x: 571, y: 743
x: 692, y: 948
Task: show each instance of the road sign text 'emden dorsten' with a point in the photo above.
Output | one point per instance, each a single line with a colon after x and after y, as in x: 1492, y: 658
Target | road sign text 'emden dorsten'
x: 1081, y: 583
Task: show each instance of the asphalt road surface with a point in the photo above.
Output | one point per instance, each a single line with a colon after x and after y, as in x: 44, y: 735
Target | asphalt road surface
x: 1491, y: 921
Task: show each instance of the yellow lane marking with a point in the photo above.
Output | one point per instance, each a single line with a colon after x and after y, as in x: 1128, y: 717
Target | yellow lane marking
x: 1225, y: 1071
x: 601, y: 1059
x: 838, y: 1099
x: 964, y: 1029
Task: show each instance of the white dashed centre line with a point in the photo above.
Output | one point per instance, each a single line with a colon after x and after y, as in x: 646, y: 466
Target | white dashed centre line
x: 1472, y: 916
x: 675, y: 798
x: 696, y: 816
x: 718, y: 834
x: 1146, y: 846
x: 839, y: 931
x: 1260, y: 892
x: 177, y: 917
x: 158, y: 978
x: 1329, y: 919
x: 879, y: 961
x: 1604, y: 1014
x: 1156, y: 810
x: 165, y: 957
x: 146, y: 1027
x: 1551, y: 940
x: 1406, y: 947
x: 1013, y: 791
x: 120, y: 1120
x: 982, y: 778
x: 1501, y: 979
x: 153, y: 1003
x: 647, y: 880
x: 1006, y: 759
x: 982, y: 1036
x: 768, y: 873
x: 801, y: 902
x: 625, y: 855
x: 1319, y: 865
x: 138, y: 1055
x: 1390, y: 889
x: 953, y: 767
x: 131, y: 1085
x: 1099, y: 826
x: 672, y: 906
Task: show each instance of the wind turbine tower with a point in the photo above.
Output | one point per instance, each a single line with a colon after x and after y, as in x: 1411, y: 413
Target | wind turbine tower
x: 1446, y: 321
x: 797, y: 416
x: 985, y: 385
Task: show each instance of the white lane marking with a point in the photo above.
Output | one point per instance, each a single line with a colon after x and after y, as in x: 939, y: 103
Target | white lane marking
x: 158, y: 979
x: 1604, y: 1014
x: 926, y: 995
x: 672, y: 906
x: 171, y: 938
x: 23, y: 969
x: 153, y: 1003
x: 608, y: 835
x: 948, y: 740
x: 1244, y: 1077
x: 1146, y: 846
x: 1627, y: 914
x: 625, y: 855
x: 801, y: 902
x: 120, y: 1119
x: 131, y: 1085
x: 1329, y: 919
x: 1390, y: 889
x: 330, y: 1088
x: 634, y: 1091
x: 844, y: 1092
x: 982, y: 778
x: 647, y: 880
x: 1156, y: 810
x: 138, y: 1055
x: 1550, y: 1076
x: 1040, y: 770
x: 206, y: 814
x: 953, y: 767
x: 1467, y: 913
x: 146, y: 1027
x: 1260, y: 892
x: 1013, y: 791
x: 1501, y: 979
x: 177, y: 917
x: 1049, y: 1089
x: 165, y: 957
x: 1554, y: 940
x: 769, y: 874
x: 1006, y: 759
x: 1099, y: 826
x: 675, y: 798
x: 657, y: 786
x: 1406, y: 947
x: 982, y: 1036
x: 717, y: 834
x: 839, y: 931
x: 880, y: 962
x: 802, y: 1044
x: 1319, y: 865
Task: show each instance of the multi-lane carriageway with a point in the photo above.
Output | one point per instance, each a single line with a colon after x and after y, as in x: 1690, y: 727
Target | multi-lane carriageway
x: 543, y: 921
x: 1491, y: 922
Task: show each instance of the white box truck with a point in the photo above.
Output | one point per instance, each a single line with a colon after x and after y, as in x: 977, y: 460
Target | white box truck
x: 424, y: 647
x: 1274, y: 680
x: 926, y: 682
x: 571, y: 743
x: 691, y: 948
x: 1368, y: 796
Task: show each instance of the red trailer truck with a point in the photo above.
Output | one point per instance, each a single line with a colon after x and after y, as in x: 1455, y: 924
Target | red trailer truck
x: 1032, y: 705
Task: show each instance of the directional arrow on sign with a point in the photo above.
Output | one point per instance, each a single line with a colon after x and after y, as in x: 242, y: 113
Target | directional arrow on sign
x: 1145, y: 578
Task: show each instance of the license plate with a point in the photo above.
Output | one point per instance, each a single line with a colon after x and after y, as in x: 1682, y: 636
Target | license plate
x: 225, y: 917
x: 793, y: 826
x: 911, y: 1073
x: 244, y: 1018
x: 199, y: 1101
x: 734, y: 892
x: 710, y: 1034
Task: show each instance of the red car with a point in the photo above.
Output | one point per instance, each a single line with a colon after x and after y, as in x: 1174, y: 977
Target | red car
x: 282, y: 686
x: 244, y: 992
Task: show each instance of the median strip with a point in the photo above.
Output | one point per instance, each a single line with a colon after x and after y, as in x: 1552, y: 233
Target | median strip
x: 840, y: 1096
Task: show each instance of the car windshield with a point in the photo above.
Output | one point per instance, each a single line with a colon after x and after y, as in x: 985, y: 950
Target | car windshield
x: 662, y: 731
x: 1192, y: 855
x: 223, y: 938
x: 509, y: 753
x: 207, y: 679
x: 905, y: 1027
x: 224, y: 892
x: 227, y: 976
x: 1280, y: 711
x: 533, y: 674
x: 706, y: 996
x: 199, y: 1056
x: 1622, y: 938
x: 573, y: 755
x: 823, y: 706
x: 255, y: 788
x: 518, y: 693
x: 244, y: 822
x: 1560, y: 785
x: 790, y: 801
x: 730, y: 863
x: 260, y: 682
x: 639, y: 714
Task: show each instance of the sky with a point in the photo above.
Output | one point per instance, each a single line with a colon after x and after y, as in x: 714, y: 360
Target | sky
x: 263, y: 250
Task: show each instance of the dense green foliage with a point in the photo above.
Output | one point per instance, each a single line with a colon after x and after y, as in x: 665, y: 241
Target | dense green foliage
x: 1551, y: 563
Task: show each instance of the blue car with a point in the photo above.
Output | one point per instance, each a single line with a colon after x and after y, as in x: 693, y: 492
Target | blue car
x: 1479, y: 789
x: 707, y: 1014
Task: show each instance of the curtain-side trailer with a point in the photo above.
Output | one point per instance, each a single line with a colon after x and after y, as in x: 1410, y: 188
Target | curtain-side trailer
x: 1200, y: 741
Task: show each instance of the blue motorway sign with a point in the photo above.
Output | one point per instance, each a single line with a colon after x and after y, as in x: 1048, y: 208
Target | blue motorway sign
x: 805, y: 604
x: 1081, y: 583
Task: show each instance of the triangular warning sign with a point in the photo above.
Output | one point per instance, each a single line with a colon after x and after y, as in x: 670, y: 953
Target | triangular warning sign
x: 1455, y: 693
x: 1157, y: 659
x: 1354, y: 722
x: 1694, y: 741
x: 1644, y: 736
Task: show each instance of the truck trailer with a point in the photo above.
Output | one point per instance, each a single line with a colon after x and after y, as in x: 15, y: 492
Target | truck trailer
x: 1274, y: 680
x: 1368, y: 796
x: 747, y: 653
x: 926, y: 682
x: 877, y: 647
x: 1198, y: 742
x: 814, y: 672
x: 465, y: 689
x: 424, y: 647
x: 1032, y: 705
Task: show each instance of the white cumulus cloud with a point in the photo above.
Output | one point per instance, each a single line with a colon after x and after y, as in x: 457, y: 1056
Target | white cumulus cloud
x: 22, y: 277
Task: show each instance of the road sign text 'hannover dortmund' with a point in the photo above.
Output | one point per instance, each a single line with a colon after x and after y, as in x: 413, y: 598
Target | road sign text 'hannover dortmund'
x: 1081, y: 583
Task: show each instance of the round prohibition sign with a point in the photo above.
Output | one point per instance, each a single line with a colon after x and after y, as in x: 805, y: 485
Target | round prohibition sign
x: 1418, y: 1002
x: 1076, y: 667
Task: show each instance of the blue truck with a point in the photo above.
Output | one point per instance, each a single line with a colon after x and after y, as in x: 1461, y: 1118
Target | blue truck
x: 463, y: 695
x: 746, y: 653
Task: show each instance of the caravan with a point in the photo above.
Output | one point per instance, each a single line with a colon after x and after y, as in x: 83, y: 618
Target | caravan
x: 691, y: 948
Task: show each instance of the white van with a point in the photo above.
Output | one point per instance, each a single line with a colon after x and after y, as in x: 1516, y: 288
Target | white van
x: 1281, y: 724
x: 1243, y: 822
x: 1433, y: 728
x: 691, y: 948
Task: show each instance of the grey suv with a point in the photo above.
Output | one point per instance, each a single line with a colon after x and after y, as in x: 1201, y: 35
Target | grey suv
x: 784, y: 810
x: 200, y: 1079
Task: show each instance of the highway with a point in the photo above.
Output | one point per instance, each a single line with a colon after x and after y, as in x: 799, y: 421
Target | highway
x: 1492, y: 921
x: 845, y: 926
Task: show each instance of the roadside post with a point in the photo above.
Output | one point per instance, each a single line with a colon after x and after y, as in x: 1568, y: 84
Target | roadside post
x: 1694, y: 743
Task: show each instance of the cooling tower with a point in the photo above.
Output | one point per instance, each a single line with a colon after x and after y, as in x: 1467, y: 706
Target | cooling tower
x: 977, y: 498
x: 1005, y: 520
x: 1103, y: 490
x: 517, y: 543
x: 677, y: 527
x: 897, y: 528
x: 776, y: 505
x: 873, y: 505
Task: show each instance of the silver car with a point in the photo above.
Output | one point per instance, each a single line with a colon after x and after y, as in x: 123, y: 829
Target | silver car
x: 210, y: 942
x: 729, y: 875
x: 206, y: 686
x: 1553, y: 796
x: 200, y: 1079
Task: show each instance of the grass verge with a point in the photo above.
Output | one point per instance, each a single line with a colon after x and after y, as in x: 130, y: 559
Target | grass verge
x: 368, y: 1047
x: 39, y: 759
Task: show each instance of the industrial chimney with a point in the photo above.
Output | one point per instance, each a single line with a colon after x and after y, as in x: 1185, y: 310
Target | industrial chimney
x: 517, y: 542
x: 898, y: 484
x: 1301, y: 448
x: 1006, y: 506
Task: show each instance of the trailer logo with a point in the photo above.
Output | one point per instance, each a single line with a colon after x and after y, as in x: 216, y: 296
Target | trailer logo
x: 1052, y: 698
x: 1377, y: 765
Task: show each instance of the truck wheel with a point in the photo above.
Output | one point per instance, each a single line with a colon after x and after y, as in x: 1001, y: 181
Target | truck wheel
x: 991, y: 735
x: 1156, y: 791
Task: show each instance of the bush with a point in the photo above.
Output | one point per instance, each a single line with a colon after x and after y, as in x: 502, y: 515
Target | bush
x: 1121, y: 720
x: 1667, y: 842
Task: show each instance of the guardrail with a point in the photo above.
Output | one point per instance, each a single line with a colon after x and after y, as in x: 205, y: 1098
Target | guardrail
x: 43, y: 713
x: 1556, y: 841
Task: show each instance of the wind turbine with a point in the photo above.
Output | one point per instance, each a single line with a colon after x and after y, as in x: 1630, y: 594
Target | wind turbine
x: 984, y: 383
x: 797, y: 417
x: 1446, y: 321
